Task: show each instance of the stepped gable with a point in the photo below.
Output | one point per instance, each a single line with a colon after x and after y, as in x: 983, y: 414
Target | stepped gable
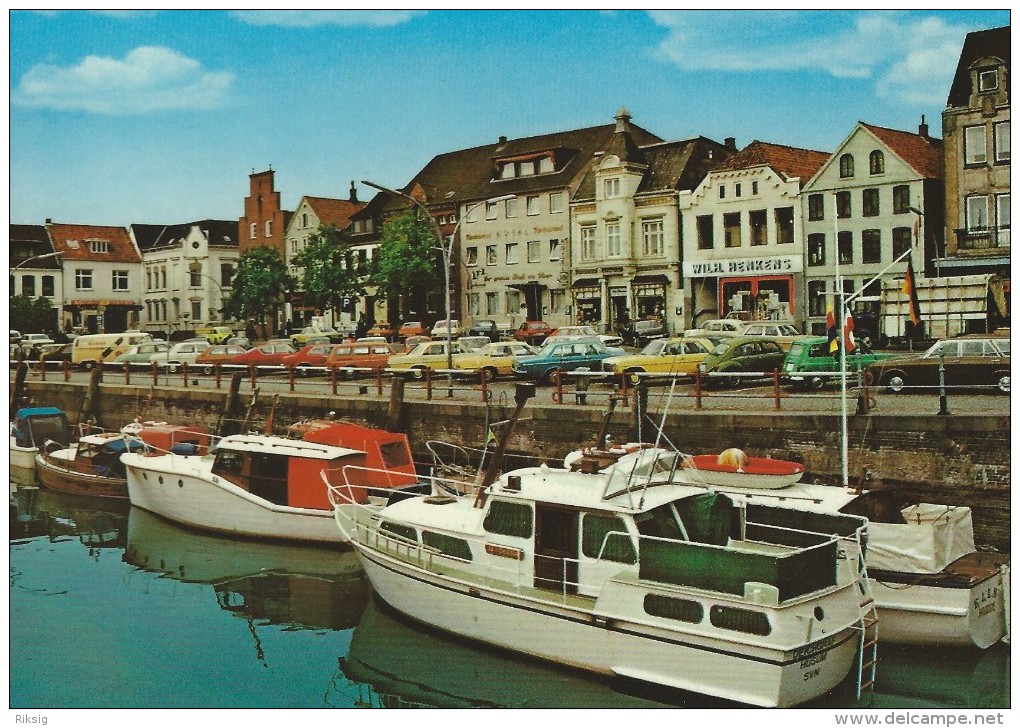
x: 921, y: 152
x: 791, y: 162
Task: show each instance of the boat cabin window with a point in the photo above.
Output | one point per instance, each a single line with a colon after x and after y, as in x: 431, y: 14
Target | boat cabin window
x: 458, y: 548
x: 509, y: 519
x: 36, y: 431
x: 740, y: 620
x: 228, y: 463
x: 605, y: 537
x: 394, y: 454
x: 268, y: 476
x: 396, y: 529
x: 661, y: 522
x: 682, y: 610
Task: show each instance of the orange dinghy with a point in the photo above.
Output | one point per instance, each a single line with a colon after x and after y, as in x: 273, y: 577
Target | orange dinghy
x: 735, y: 469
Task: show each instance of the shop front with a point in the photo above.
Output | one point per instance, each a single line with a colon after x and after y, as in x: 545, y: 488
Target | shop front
x: 649, y: 296
x: 587, y: 293
x: 101, y: 316
x: 751, y: 289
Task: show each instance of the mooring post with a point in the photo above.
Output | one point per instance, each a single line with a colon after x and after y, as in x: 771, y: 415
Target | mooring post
x: 87, y: 408
x: 227, y: 417
x: 19, y: 386
x: 396, y: 403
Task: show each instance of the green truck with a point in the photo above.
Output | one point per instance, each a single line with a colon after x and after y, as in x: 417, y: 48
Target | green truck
x: 810, y: 364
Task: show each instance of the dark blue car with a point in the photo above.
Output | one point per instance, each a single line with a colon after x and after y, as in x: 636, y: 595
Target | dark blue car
x: 564, y: 356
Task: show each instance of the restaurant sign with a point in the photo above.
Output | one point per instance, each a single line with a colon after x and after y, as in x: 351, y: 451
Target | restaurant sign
x: 771, y: 265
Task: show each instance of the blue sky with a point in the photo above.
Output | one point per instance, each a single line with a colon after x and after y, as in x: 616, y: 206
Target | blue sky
x: 122, y: 117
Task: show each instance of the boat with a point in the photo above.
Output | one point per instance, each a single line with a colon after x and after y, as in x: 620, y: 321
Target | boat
x: 31, y: 428
x: 661, y: 583
x: 264, y: 486
x: 92, y: 465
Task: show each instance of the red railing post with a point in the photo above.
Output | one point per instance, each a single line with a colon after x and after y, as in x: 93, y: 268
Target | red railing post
x: 290, y: 377
x: 697, y: 388
x: 332, y: 379
x: 624, y: 392
x: 216, y: 375
x: 428, y: 383
x: 481, y: 379
x: 251, y: 375
x: 378, y: 381
x: 127, y: 372
x: 67, y: 370
x: 559, y: 387
x: 155, y: 374
x: 184, y: 372
x: 775, y: 384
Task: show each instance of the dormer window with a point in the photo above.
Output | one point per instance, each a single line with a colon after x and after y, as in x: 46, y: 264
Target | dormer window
x: 99, y: 246
x: 525, y: 166
x: 545, y: 164
x: 988, y: 79
x: 612, y: 187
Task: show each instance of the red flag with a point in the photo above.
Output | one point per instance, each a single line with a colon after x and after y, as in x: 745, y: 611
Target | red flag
x: 849, y: 343
x: 910, y: 291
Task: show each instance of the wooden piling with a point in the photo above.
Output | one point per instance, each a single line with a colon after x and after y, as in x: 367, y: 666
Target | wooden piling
x: 393, y: 419
x: 88, y: 409
x: 228, y: 416
x: 18, y: 390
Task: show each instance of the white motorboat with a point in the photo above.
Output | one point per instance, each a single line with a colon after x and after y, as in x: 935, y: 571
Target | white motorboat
x: 664, y: 583
x: 31, y: 428
x: 260, y: 486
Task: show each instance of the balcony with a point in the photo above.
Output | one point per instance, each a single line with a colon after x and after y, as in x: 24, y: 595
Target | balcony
x: 993, y: 238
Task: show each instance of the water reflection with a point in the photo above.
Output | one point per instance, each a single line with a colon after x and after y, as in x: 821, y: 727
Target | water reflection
x: 35, y: 512
x: 297, y: 586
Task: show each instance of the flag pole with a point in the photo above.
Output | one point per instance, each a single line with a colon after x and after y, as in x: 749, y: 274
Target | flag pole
x: 840, y: 337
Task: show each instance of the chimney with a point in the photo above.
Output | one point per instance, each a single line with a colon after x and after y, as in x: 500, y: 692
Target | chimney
x: 622, y: 119
x: 730, y: 143
x: 922, y: 129
x: 502, y: 140
x: 49, y: 221
x: 354, y: 192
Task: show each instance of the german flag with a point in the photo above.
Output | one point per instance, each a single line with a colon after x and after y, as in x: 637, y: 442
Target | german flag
x: 830, y: 328
x: 910, y: 291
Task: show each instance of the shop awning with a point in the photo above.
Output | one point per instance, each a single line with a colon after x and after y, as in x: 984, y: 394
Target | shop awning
x: 96, y: 303
x: 586, y: 283
x: 653, y: 279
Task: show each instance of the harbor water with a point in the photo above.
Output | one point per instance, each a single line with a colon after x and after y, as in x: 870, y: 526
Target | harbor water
x: 112, y: 607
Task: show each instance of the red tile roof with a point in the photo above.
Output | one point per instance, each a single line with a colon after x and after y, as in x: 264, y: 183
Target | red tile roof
x: 922, y: 153
x: 788, y: 161
x: 334, y: 212
x: 72, y: 241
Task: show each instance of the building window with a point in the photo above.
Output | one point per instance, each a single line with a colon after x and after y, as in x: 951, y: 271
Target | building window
x: 471, y: 255
x: 869, y: 208
x: 731, y: 229
x: 759, y: 227
x: 545, y: 165
x: 119, y: 280
x: 491, y: 303
x: 554, y: 249
x: 490, y: 255
x: 1002, y: 141
x: 226, y: 274
x: 722, y: 192
x: 588, y: 242
x: 534, y: 251
x: 736, y: 190
x: 816, y: 207
x: 533, y: 205
x: 148, y: 279
x: 613, y: 248
x: 99, y: 246
x: 816, y: 298
x: 474, y: 304
x: 510, y: 207
x: 871, y: 246
x: 988, y: 79
x: 901, y: 239
x: 196, y: 311
x: 652, y: 241
x: 816, y: 249
x: 48, y: 288
x: 974, y: 151
x: 555, y: 202
x: 846, y: 165
x: 845, y: 243
x: 513, y: 302
x: 901, y: 198
x: 269, y: 228
x: 196, y: 279
x: 511, y: 254
x: 843, y: 204
x: 83, y: 279
x: 556, y: 298
x: 253, y: 230
x: 471, y: 215
x: 612, y: 187
x: 28, y: 286
x: 1001, y: 212
x: 526, y: 169
x: 784, y: 225
x: 977, y: 213
x: 754, y: 188
x: 490, y: 210
x: 876, y: 162
x: 162, y: 275
x: 706, y: 228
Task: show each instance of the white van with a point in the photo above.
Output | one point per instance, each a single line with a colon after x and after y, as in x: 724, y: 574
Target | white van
x: 90, y: 349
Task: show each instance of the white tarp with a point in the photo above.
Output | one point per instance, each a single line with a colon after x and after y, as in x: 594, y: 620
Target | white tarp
x: 933, y: 537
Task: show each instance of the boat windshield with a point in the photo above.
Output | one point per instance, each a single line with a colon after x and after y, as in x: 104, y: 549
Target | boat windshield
x: 51, y: 427
x: 660, y: 522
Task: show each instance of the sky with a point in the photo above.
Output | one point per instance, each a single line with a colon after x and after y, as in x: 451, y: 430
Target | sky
x: 135, y: 116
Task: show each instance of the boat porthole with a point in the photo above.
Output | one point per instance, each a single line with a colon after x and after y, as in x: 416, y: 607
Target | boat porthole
x: 161, y: 480
x: 819, y: 614
x: 180, y: 483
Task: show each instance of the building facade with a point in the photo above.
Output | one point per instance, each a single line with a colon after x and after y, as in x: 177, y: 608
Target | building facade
x: 36, y: 269
x: 264, y: 221
x: 743, y: 236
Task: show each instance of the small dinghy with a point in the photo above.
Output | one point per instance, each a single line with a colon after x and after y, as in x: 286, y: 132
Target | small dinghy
x: 734, y: 468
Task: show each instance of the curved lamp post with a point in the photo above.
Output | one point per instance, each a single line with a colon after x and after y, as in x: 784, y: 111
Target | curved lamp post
x: 196, y: 267
x: 26, y: 261
x: 446, y: 248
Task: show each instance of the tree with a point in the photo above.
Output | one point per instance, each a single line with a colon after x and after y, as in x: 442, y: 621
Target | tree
x: 407, y: 261
x: 258, y: 285
x: 30, y: 315
x: 331, y: 272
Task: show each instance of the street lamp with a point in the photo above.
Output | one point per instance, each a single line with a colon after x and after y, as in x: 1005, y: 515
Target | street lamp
x: 445, y: 248
x: 26, y: 261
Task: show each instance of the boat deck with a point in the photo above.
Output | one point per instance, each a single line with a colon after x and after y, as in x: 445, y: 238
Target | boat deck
x: 964, y: 573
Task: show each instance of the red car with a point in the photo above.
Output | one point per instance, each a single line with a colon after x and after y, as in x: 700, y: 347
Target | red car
x: 267, y: 355
x: 312, y: 355
x: 533, y: 332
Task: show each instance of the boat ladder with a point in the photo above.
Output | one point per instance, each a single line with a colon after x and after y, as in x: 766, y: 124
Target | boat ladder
x: 867, y: 645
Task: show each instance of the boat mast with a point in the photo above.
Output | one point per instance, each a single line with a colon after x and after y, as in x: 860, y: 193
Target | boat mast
x: 840, y: 324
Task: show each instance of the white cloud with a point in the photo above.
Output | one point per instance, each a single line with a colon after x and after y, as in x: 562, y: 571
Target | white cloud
x: 147, y: 79
x: 316, y: 18
x: 910, y: 56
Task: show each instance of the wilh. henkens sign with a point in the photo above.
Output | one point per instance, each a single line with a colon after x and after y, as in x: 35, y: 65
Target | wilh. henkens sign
x: 771, y: 265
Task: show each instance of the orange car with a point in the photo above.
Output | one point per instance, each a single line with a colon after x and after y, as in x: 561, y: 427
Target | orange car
x: 312, y: 355
x: 411, y: 328
x: 382, y: 329
x: 347, y: 359
x: 217, y: 354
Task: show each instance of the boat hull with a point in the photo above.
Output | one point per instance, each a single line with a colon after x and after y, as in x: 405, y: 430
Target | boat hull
x: 176, y: 488
x: 23, y: 457
x: 58, y: 474
x: 763, y: 676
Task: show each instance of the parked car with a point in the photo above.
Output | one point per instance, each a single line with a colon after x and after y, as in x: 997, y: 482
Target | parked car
x: 412, y: 341
x: 727, y: 328
x: 142, y: 353
x: 639, y: 333
x: 784, y: 334
x: 673, y: 356
x: 809, y: 361
x: 309, y: 356
x: 15, y: 336
x: 533, y: 332
x: 316, y: 335
x: 495, y: 359
x: 744, y: 357
x: 473, y: 343
x: 968, y: 360
x: 485, y: 327
x: 217, y: 354
x: 30, y: 341
x: 411, y: 328
x: 242, y: 341
x: 267, y: 355
x: 183, y: 352
x: 439, y: 330
x: 564, y: 356
x: 55, y: 352
x: 215, y: 334
x: 382, y: 329
x: 348, y: 358
x: 427, y: 355
x: 575, y: 332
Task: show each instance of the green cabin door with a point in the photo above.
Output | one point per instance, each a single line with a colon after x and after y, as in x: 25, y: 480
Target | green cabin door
x: 556, y: 540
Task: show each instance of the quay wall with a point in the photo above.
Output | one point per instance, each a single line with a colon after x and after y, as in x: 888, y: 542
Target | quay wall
x: 962, y: 460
